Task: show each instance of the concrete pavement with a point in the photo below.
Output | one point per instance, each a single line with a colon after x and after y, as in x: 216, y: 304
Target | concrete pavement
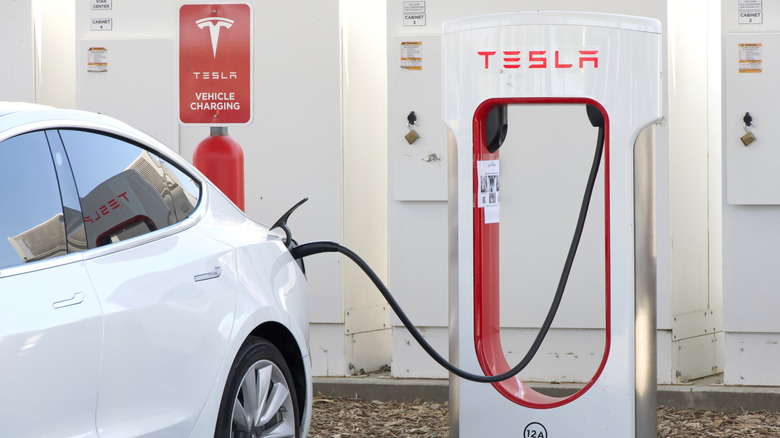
x: 705, y: 394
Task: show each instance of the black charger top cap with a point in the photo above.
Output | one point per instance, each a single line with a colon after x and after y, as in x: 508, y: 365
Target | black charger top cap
x: 595, y: 116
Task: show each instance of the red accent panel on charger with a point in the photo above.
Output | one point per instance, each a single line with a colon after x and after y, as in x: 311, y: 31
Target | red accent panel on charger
x: 487, y: 324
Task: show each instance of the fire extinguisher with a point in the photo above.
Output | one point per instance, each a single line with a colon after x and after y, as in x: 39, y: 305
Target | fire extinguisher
x: 221, y: 159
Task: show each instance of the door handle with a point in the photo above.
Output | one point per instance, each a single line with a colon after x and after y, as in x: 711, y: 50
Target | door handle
x: 215, y: 273
x: 78, y: 298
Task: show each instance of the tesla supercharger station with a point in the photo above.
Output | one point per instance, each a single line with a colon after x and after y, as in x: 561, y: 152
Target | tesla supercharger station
x: 609, y: 62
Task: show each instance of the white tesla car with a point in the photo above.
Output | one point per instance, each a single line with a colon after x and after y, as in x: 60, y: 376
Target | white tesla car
x: 137, y: 299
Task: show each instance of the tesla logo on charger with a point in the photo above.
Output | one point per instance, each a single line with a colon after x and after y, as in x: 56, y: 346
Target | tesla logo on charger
x: 214, y: 24
x: 513, y: 59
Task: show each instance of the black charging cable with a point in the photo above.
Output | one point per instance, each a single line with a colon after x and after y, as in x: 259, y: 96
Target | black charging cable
x: 308, y: 249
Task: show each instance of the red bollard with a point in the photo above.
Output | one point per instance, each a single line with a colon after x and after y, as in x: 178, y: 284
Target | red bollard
x: 221, y: 159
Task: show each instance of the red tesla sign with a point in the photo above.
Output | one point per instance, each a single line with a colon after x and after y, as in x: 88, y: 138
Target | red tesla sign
x: 215, y: 63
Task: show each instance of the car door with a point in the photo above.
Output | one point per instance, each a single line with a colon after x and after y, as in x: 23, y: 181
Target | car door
x: 166, y: 289
x: 50, y: 318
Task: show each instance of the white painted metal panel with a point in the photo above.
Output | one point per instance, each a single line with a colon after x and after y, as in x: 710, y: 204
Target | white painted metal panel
x: 750, y: 274
x: 366, y: 319
x: 419, y: 169
x: 752, y: 176
x: 664, y: 368
x: 418, y: 250
x: 698, y: 357
x: 364, y: 112
x: 367, y: 351
x: 137, y: 86
x: 17, y: 73
x: 55, y: 72
x: 327, y: 349
x: 752, y: 359
x: 699, y: 322
x: 411, y: 361
x: 689, y: 124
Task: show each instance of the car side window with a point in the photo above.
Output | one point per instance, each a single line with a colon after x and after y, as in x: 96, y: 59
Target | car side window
x: 32, y: 226
x: 184, y: 191
x: 123, y: 188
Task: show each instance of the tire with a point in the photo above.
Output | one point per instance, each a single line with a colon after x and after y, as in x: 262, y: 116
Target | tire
x: 258, y: 369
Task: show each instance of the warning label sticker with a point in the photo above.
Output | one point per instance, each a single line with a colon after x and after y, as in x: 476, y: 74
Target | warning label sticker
x: 487, y: 198
x: 97, y: 60
x: 750, y: 58
x: 411, y: 55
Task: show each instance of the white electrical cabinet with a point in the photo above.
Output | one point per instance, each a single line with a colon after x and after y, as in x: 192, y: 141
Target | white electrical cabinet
x: 422, y: 165
x: 752, y: 66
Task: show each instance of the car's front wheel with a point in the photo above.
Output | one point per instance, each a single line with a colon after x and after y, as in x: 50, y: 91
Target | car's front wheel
x: 259, y: 398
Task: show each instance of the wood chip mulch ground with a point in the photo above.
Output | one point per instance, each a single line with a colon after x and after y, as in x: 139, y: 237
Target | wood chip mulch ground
x: 342, y: 418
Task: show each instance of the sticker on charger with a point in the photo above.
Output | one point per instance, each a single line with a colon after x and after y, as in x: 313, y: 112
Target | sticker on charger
x: 487, y: 173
